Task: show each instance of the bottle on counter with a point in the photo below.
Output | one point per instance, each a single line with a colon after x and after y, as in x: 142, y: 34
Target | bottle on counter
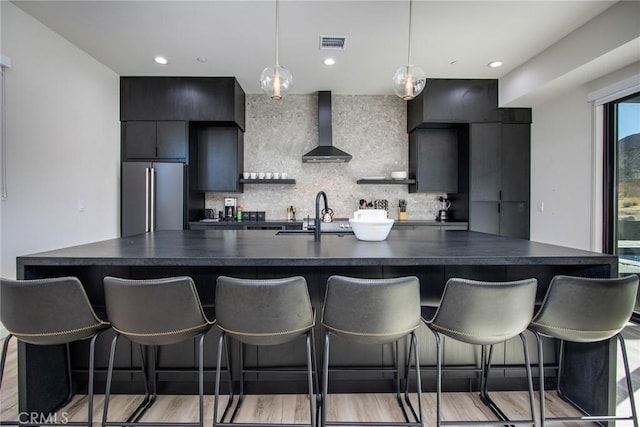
x: 239, y: 213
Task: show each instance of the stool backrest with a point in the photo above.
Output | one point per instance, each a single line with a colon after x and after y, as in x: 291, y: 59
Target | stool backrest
x: 47, y: 311
x: 263, y: 311
x: 154, y: 311
x: 584, y: 309
x: 372, y: 310
x: 483, y: 313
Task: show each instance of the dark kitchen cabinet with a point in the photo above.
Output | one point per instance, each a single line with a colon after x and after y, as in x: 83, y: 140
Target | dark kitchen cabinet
x: 454, y: 101
x: 214, y: 99
x: 499, y: 181
x: 433, y: 160
x: 153, y: 140
x: 220, y: 158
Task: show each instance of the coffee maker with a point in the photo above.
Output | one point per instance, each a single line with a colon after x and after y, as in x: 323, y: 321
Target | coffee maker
x: 230, y: 208
x: 443, y: 213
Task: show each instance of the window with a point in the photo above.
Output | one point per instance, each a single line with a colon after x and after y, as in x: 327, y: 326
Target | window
x: 622, y: 175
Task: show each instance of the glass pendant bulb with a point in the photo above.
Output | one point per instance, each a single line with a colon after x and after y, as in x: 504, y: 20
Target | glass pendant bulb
x: 275, y: 81
x: 409, y: 81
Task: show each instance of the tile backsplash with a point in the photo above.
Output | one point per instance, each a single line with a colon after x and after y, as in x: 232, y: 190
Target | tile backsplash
x: 370, y: 128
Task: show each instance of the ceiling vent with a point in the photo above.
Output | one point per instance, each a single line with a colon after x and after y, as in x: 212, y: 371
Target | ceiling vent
x: 332, y: 42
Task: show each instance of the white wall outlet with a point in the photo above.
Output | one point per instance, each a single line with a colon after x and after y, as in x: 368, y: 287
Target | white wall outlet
x: 540, y: 206
x: 80, y: 205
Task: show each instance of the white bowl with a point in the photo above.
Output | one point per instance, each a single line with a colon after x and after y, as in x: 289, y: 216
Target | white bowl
x: 370, y: 214
x: 371, y: 230
x: 399, y: 175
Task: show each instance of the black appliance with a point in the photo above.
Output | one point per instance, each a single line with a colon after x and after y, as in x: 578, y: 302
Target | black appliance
x: 152, y: 197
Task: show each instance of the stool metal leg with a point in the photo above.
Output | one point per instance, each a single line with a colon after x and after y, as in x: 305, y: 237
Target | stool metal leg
x: 149, y: 396
x: 438, y: 378
x: 3, y: 359
x: 585, y: 417
x: 107, y: 391
x: 223, y: 345
x: 484, y: 391
x: 312, y: 404
x: 407, y: 422
x: 325, y: 380
x: 414, y: 345
x: 627, y: 373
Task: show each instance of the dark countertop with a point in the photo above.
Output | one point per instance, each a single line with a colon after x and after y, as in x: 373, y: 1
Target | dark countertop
x: 424, y: 246
x: 222, y: 223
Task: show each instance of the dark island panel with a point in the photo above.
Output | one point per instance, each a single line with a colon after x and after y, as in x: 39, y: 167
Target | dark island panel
x: 432, y: 255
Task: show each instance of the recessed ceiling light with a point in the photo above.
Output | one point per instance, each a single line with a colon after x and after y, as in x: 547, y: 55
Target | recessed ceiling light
x: 494, y: 64
x: 329, y: 61
x: 161, y: 60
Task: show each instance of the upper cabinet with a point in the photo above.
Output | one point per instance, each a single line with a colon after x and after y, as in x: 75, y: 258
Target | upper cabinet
x: 433, y: 160
x: 454, y: 101
x: 220, y: 157
x: 212, y: 99
x: 151, y: 140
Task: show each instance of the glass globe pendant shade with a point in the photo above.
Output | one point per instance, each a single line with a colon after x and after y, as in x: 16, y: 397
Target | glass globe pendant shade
x: 409, y: 81
x: 276, y: 81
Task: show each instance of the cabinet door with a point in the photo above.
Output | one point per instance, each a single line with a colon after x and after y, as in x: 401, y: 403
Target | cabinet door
x: 171, y: 140
x: 515, y: 162
x: 433, y: 160
x: 514, y: 220
x: 220, y: 152
x: 485, y: 161
x: 454, y: 101
x: 139, y: 139
x: 484, y: 217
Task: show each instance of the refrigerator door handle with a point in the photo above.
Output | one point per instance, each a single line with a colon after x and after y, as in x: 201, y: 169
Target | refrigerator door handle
x: 147, y: 177
x: 152, y: 205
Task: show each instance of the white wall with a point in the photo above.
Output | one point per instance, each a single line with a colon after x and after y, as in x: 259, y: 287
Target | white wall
x: 63, y: 143
x: 567, y: 159
x: 561, y: 171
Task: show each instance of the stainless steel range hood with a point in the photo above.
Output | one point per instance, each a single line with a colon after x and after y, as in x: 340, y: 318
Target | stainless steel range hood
x: 325, y: 152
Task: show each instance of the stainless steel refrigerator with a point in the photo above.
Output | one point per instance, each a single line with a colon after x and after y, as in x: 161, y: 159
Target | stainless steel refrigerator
x: 153, y: 197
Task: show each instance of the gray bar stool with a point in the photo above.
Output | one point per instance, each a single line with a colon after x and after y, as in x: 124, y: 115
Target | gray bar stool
x: 50, y: 312
x: 485, y: 314
x: 154, y: 313
x: 585, y: 310
x: 373, y: 311
x: 264, y: 312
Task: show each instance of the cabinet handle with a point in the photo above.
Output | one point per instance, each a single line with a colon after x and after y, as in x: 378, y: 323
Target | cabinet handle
x: 146, y: 199
x: 500, y: 195
x: 152, y: 209
x: 498, y: 207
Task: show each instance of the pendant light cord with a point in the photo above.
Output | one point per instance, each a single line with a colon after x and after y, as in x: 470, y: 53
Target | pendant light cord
x: 409, y: 50
x: 277, y: 33
x: 3, y: 134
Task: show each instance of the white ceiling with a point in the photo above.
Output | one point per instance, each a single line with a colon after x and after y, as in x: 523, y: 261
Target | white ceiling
x: 237, y: 37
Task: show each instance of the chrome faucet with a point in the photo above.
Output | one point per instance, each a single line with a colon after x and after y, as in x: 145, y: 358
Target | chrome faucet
x: 317, y: 221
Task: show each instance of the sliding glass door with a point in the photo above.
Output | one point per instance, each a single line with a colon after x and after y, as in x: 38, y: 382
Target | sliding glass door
x: 622, y: 218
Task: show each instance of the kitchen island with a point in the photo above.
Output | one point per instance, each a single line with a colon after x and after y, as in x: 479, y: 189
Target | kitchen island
x: 430, y: 254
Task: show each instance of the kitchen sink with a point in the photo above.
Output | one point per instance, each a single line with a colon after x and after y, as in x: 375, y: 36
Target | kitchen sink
x: 310, y: 232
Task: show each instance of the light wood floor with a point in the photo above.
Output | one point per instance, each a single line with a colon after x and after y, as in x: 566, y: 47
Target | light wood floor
x: 295, y: 408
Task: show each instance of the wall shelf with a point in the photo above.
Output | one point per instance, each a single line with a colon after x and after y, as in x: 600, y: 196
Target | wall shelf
x: 386, y: 181
x: 267, y: 181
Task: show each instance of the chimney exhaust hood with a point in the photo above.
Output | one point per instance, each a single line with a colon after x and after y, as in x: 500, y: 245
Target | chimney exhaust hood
x: 325, y: 152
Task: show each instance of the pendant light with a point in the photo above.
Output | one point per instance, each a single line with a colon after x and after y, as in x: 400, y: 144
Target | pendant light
x: 409, y: 80
x: 275, y: 81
